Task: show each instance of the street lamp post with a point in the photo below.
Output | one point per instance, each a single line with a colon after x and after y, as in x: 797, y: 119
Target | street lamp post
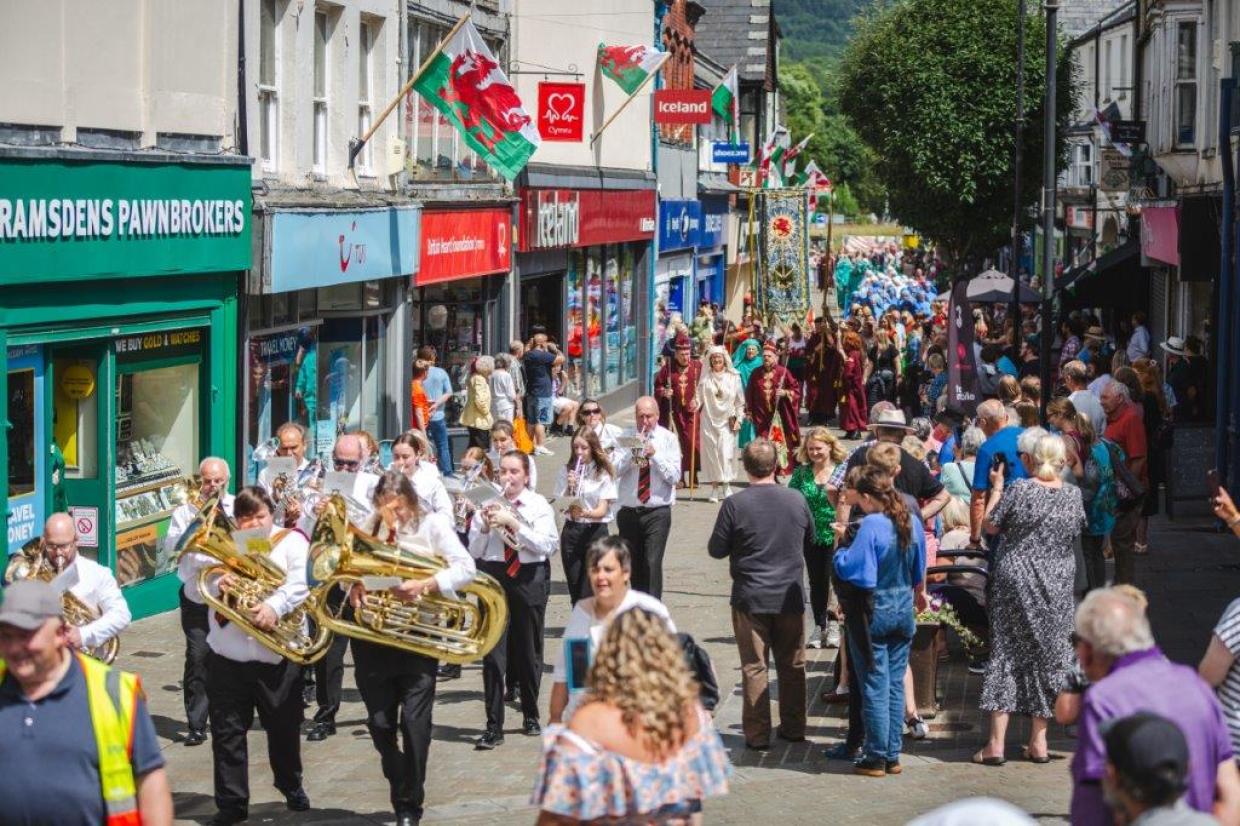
x: 1018, y: 131
x: 1048, y: 202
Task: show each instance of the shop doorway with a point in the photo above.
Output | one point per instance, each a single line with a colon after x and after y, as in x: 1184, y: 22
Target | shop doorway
x: 542, y: 303
x: 79, y: 411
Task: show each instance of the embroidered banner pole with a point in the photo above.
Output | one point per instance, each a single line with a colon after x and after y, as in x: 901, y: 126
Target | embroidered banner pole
x: 783, y: 294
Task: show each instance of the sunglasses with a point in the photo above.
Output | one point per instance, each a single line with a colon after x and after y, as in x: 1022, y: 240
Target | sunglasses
x: 343, y: 464
x: 591, y: 411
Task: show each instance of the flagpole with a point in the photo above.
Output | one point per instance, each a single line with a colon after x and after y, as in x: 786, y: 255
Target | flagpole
x: 629, y: 99
x: 830, y: 263
x: 355, y: 145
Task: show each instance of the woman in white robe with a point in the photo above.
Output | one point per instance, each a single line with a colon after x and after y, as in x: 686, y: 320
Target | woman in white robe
x: 720, y: 401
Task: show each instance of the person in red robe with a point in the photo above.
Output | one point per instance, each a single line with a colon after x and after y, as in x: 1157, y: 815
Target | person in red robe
x: 674, y: 387
x: 823, y: 370
x: 854, y: 415
x: 774, y: 390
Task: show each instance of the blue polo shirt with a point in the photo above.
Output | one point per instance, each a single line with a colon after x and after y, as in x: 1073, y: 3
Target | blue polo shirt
x: 49, y: 763
x: 1002, y: 442
x: 437, y: 384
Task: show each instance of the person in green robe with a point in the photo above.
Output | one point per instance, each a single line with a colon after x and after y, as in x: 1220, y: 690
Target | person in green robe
x: 843, y: 281
x: 746, y: 359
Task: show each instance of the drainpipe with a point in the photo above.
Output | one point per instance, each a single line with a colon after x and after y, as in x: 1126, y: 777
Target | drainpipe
x: 1224, y: 413
x: 647, y: 379
x: 243, y: 299
x: 1048, y: 198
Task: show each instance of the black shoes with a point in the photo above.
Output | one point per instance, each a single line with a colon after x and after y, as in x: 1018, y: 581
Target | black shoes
x: 308, y: 695
x: 227, y: 818
x: 297, y: 800
x: 530, y: 727
x: 196, y: 737
x: 448, y: 672
x: 407, y: 819
x: 320, y: 731
x: 489, y: 740
x: 510, y: 693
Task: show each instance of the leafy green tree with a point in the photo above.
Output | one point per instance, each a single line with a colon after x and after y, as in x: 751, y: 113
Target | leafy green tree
x: 930, y: 86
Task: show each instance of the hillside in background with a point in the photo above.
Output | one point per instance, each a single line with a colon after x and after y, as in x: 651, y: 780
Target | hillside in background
x: 815, y: 30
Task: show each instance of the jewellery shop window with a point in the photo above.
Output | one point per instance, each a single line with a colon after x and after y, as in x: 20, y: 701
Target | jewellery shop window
x: 158, y: 411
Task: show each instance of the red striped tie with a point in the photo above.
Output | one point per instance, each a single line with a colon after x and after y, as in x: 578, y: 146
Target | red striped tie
x: 511, y: 559
x: 643, y: 483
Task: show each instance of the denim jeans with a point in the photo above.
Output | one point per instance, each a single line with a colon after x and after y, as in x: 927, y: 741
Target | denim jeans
x: 882, y: 694
x: 437, y: 431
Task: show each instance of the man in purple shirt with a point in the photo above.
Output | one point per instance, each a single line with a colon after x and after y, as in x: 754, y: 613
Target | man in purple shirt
x: 1129, y: 674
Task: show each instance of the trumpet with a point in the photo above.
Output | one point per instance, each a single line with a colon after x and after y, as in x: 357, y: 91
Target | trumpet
x: 30, y: 563
x: 188, y: 492
x: 255, y: 578
x: 501, y: 505
x: 266, y: 450
x: 452, y: 630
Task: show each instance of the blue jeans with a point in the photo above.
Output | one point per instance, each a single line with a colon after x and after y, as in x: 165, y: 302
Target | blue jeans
x: 437, y: 432
x: 882, y: 695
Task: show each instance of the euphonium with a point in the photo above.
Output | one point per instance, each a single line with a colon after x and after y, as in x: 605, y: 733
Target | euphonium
x: 29, y: 563
x: 452, y: 630
x: 255, y: 578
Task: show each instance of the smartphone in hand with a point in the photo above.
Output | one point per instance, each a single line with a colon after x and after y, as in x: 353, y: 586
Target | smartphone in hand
x: 1213, y: 481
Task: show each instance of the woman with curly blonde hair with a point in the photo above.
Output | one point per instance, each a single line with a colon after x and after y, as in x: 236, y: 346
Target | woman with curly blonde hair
x: 818, y: 456
x: 640, y: 749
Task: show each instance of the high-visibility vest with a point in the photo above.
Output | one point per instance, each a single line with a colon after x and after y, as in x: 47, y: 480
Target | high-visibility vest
x: 112, y: 696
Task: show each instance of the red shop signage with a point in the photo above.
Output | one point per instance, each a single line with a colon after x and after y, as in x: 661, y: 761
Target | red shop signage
x: 559, y: 218
x: 682, y: 106
x: 561, y: 111
x: 464, y: 243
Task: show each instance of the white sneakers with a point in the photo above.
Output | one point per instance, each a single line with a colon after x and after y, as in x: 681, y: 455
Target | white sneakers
x: 542, y: 451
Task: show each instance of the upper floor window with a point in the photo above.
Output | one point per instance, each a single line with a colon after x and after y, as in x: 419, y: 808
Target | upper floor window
x: 1081, y: 173
x: 320, y: 91
x: 365, y: 83
x: 1185, y: 84
x: 268, y: 87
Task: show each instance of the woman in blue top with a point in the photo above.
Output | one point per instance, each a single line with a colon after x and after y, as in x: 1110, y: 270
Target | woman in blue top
x: 885, y: 561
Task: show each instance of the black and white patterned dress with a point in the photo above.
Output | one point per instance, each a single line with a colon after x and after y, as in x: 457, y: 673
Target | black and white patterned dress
x: 1031, y: 603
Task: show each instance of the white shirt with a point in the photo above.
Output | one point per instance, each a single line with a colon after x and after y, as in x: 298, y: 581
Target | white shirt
x: 1087, y: 403
x: 362, y: 493
x: 432, y: 495
x: 536, y: 542
x: 532, y: 484
x: 503, y: 395
x: 593, y: 487
x: 97, y: 587
x: 268, y: 476
x: 437, y: 529
x: 583, y: 623
x: 235, y: 644
x: 191, y: 562
x: 607, y: 435
x: 1139, y: 344
x: 664, y: 472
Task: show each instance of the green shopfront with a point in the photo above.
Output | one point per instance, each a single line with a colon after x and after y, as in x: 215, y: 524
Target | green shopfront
x: 118, y: 346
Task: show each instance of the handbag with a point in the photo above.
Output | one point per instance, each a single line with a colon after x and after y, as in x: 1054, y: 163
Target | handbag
x: 522, y: 436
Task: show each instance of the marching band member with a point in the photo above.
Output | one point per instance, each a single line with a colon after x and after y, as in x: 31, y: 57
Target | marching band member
x: 93, y: 584
x: 408, y: 456
x: 590, y: 414
x: 348, y: 456
x: 214, y: 475
x: 292, y: 438
x: 502, y: 441
x: 398, y: 687
x: 243, y: 676
x: 647, y: 492
x: 523, y: 568
x: 590, y: 480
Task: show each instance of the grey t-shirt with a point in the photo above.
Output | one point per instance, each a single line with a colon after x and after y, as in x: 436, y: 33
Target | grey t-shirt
x: 762, y: 531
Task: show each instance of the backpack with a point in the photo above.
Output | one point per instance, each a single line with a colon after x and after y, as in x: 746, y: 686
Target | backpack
x: 1128, y: 488
x: 703, y: 671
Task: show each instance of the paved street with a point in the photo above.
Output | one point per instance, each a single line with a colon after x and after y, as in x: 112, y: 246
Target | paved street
x: 1191, y: 574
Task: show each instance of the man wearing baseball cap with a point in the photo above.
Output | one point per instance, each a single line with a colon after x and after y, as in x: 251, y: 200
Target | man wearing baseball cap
x: 87, y: 743
x: 1146, y: 772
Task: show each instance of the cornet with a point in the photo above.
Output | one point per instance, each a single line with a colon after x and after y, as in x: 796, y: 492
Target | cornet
x: 501, y: 505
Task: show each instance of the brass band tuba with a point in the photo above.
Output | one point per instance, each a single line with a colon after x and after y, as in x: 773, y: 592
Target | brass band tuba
x: 452, y: 630
x: 256, y: 578
x: 29, y: 563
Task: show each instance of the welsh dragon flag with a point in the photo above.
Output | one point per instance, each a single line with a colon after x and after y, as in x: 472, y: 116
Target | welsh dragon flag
x: 464, y: 82
x: 725, y: 100
x: 630, y: 66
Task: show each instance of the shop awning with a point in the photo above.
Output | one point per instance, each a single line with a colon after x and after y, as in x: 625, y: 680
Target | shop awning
x: 548, y: 176
x: 715, y: 183
x: 1117, y: 257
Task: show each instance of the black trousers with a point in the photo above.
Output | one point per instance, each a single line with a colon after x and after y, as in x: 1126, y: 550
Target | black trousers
x: 194, y: 681
x: 818, y: 566
x: 575, y: 540
x: 329, y: 671
x: 398, y: 689
x: 235, y: 691
x: 646, y: 530
x: 527, y: 595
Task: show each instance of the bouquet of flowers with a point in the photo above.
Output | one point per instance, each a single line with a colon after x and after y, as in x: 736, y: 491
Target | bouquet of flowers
x: 938, y: 611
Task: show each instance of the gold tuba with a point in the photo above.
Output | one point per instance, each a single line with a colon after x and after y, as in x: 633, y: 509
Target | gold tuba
x: 452, y: 630
x: 256, y: 578
x: 29, y: 563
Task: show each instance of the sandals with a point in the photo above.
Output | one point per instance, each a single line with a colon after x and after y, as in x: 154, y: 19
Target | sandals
x: 1026, y: 753
x: 981, y: 760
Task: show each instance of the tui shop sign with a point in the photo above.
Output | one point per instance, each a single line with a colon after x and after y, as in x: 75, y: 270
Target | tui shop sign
x: 73, y: 220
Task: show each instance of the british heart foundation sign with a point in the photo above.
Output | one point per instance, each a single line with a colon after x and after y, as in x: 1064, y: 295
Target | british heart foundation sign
x: 561, y: 111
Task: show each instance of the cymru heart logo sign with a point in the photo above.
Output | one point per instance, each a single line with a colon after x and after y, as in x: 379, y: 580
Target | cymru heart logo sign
x: 561, y: 111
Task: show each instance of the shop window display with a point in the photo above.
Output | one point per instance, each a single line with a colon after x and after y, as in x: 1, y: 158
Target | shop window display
x: 283, y: 387
x: 21, y: 434
x: 450, y: 318
x: 350, y: 377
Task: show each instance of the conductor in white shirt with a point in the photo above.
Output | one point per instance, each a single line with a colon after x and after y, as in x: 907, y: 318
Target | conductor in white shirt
x: 647, y: 489
x: 243, y: 676
x: 214, y: 473
x: 524, y: 570
x: 94, y: 584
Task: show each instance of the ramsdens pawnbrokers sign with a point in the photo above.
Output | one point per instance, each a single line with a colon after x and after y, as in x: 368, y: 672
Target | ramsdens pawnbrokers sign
x: 68, y: 220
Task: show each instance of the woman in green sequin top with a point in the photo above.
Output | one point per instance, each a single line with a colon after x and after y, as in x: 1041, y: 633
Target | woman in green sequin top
x: 818, y: 455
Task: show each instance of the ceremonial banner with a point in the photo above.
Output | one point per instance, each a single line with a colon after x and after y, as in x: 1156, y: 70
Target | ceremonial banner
x: 961, y: 370
x: 783, y: 274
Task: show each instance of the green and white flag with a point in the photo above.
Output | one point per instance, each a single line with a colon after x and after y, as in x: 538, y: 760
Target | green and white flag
x: 630, y: 66
x: 725, y: 100
x: 464, y: 82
